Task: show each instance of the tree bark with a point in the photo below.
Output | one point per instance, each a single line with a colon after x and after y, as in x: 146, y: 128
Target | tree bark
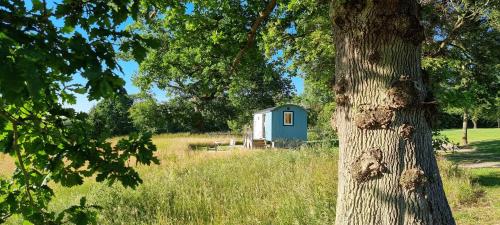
x: 387, y: 169
x: 464, y: 127
x: 474, y: 121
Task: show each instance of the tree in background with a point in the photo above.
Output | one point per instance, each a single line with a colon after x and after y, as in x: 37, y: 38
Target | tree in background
x: 492, y: 112
x: 195, y: 62
x: 476, y: 114
x: 111, y: 117
x: 320, y: 103
x: 42, y: 47
x: 146, y: 115
x: 255, y: 89
x: 179, y: 115
x: 463, y: 64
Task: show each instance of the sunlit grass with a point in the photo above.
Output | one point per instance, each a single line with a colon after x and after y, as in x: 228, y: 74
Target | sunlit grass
x: 485, y: 210
x: 243, y: 186
x: 473, y: 135
x: 226, y: 187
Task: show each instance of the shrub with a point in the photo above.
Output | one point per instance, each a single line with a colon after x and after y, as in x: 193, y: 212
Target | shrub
x: 458, y: 184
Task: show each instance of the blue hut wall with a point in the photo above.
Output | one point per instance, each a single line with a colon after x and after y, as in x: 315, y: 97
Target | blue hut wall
x: 278, y: 131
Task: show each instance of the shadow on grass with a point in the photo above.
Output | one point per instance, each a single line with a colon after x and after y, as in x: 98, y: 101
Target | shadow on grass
x: 486, y: 151
x: 490, y: 179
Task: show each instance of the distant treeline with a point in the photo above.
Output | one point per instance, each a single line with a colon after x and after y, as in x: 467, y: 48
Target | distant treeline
x: 121, y: 115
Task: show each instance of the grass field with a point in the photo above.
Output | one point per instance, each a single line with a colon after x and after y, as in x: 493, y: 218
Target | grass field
x: 486, y: 142
x: 474, y: 135
x: 258, y: 187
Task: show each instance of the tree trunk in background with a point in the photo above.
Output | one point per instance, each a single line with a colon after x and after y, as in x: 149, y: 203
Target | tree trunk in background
x: 498, y: 123
x: 387, y: 169
x: 464, y: 127
x: 474, y: 121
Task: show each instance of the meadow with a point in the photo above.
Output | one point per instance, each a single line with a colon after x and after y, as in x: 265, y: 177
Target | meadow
x: 261, y: 186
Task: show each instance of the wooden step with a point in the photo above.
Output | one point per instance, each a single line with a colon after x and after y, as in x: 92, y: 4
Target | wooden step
x: 259, y: 143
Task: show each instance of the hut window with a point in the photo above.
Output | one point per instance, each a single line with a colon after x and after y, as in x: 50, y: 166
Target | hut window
x: 288, y: 118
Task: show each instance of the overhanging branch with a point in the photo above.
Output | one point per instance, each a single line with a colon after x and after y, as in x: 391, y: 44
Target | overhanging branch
x: 253, y: 32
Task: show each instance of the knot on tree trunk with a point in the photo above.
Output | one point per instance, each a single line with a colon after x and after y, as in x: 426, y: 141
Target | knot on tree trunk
x: 374, y: 56
x: 413, y: 178
x: 340, y: 89
x: 369, y: 165
x: 402, y: 94
x: 341, y: 99
x: 374, y: 118
x: 340, y: 86
x: 386, y: 19
x: 342, y: 12
x: 406, y: 131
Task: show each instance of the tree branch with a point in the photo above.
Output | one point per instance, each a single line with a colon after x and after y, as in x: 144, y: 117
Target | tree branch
x: 451, y: 36
x: 5, y: 217
x: 253, y: 32
x: 6, y: 115
x: 15, y: 146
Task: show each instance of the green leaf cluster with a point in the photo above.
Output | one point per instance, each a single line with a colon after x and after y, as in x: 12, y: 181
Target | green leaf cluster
x: 53, y: 144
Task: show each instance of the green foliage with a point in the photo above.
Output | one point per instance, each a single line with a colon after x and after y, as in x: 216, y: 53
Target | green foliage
x: 492, y: 111
x: 180, y: 116
x: 49, y: 142
x: 146, y: 115
x: 110, y: 117
x: 79, y: 214
x: 197, y: 70
x: 460, y: 59
x: 439, y: 141
x: 323, y: 129
x: 302, y: 32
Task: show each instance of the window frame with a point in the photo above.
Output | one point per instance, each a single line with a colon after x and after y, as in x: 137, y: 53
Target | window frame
x: 292, y: 120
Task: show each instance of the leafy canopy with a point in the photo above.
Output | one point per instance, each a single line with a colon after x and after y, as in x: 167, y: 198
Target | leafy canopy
x: 200, y: 40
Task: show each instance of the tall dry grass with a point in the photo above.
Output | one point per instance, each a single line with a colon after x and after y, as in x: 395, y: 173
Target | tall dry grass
x: 227, y: 187
x: 235, y: 187
x: 7, y: 165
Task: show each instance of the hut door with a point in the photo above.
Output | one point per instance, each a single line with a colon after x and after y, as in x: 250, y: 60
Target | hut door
x: 258, y: 126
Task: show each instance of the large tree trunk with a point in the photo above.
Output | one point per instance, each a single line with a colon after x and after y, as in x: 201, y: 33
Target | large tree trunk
x: 464, y: 127
x: 387, y: 169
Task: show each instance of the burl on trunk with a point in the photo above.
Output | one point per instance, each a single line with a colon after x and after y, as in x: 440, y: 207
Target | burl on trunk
x: 387, y: 170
